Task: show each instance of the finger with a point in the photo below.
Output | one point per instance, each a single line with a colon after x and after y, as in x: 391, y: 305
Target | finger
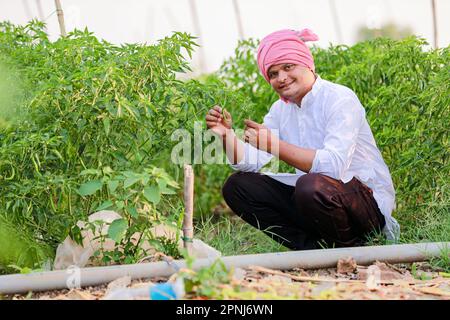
x: 251, y: 123
x: 212, y: 118
x: 252, y: 140
x: 251, y: 132
x: 211, y: 124
x: 214, y: 112
x: 252, y: 136
x: 247, y: 138
x: 227, y: 115
x: 218, y: 109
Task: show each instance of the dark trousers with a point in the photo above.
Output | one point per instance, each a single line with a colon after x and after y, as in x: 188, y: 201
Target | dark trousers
x: 317, y: 209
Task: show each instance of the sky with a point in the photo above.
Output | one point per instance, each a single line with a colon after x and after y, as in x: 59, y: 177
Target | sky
x: 146, y: 21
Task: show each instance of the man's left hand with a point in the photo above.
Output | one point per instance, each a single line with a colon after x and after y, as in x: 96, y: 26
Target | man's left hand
x: 259, y: 136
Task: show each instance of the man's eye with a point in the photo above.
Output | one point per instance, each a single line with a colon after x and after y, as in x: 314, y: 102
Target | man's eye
x: 289, y: 66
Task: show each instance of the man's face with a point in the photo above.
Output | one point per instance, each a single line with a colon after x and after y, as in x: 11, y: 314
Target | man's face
x: 291, y: 81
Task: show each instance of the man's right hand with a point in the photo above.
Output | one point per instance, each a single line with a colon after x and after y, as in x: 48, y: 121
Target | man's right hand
x: 217, y: 122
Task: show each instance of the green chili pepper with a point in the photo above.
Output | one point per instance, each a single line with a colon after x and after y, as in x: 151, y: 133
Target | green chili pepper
x: 225, y: 115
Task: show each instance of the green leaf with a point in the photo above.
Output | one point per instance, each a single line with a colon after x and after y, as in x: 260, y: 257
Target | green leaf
x: 128, y: 174
x: 107, y: 125
x: 130, y: 181
x: 132, y: 211
x: 129, y: 260
x: 89, y: 188
x: 107, y: 170
x: 156, y: 244
x: 166, y: 190
x: 161, y: 183
x: 117, y: 230
x: 105, y: 205
x: 112, y: 185
x: 22, y: 270
x: 75, y: 234
x: 152, y: 194
x: 173, y: 183
x: 89, y: 172
x: 145, y: 178
x: 120, y: 204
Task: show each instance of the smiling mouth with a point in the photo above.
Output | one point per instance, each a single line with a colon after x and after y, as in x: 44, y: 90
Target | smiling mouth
x: 286, y: 85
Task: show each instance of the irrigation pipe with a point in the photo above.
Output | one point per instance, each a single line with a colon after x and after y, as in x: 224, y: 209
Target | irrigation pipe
x: 324, y: 258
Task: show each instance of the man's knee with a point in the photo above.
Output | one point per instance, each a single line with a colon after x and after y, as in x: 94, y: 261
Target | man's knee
x: 245, y: 186
x: 307, y: 186
x: 235, y: 182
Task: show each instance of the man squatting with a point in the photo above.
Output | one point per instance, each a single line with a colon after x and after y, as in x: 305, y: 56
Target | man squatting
x: 342, y: 190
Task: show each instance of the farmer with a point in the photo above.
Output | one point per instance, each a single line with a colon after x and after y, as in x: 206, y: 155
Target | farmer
x: 342, y: 190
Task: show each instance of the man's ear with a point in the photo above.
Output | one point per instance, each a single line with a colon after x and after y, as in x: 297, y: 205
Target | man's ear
x: 313, y: 72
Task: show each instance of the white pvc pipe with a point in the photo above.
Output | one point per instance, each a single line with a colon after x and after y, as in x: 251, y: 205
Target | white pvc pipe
x: 311, y: 259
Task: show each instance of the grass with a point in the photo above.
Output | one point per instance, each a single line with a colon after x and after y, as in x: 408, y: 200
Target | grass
x: 232, y: 236
x: 19, y: 251
x: 432, y: 226
x: 442, y: 263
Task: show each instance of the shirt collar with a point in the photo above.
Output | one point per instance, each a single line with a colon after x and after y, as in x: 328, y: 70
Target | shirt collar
x: 309, y: 97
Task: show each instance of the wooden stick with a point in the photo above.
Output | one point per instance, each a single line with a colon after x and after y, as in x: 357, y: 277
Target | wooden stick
x: 435, y: 27
x: 188, y: 230
x: 60, y: 13
x: 315, y: 279
x: 433, y: 291
x: 300, y: 278
x: 238, y: 19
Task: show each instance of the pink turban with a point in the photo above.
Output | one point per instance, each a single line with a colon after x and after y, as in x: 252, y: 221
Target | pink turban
x: 285, y: 46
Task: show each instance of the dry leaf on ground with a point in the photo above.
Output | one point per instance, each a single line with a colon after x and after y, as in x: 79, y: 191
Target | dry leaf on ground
x: 346, y: 265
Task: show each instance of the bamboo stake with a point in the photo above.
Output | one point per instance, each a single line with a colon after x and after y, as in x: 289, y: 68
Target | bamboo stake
x: 238, y: 19
x: 188, y: 230
x: 435, y: 28
x: 60, y: 13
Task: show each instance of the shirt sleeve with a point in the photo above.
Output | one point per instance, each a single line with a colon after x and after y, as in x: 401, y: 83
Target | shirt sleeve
x: 342, y: 129
x: 254, y: 159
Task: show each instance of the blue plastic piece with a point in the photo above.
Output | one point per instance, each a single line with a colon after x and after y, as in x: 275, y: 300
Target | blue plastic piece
x: 162, y: 291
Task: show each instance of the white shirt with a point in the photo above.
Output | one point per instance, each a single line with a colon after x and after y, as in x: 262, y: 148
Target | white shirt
x: 332, y: 121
